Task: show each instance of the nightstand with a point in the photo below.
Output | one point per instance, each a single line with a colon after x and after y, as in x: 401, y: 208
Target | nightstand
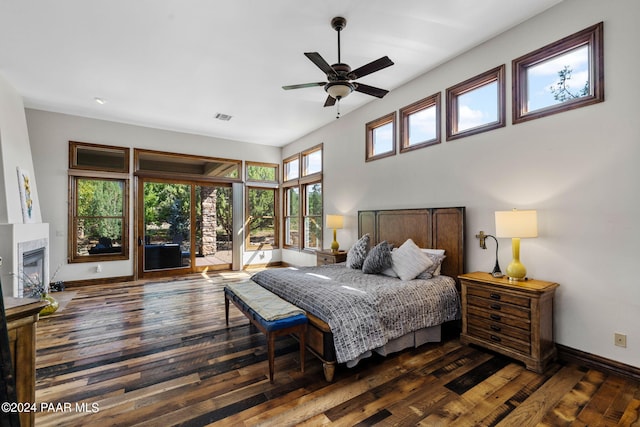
x: 511, y: 318
x: 326, y: 256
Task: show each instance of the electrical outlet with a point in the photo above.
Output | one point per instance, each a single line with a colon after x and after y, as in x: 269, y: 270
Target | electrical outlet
x: 620, y: 340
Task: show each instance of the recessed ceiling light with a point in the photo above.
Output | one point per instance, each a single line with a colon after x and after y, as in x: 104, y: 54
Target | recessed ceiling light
x: 224, y: 117
x: 100, y: 100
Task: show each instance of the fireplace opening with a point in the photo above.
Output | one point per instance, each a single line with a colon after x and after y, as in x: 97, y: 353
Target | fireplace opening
x: 32, y: 275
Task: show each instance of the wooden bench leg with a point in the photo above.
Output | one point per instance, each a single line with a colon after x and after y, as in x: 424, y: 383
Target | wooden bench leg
x: 302, y: 334
x: 226, y: 309
x: 271, y: 338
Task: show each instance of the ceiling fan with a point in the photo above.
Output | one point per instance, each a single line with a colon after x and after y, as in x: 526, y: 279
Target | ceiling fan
x: 340, y: 77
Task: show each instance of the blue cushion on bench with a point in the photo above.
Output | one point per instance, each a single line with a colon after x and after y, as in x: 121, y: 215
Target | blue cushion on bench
x: 273, y: 325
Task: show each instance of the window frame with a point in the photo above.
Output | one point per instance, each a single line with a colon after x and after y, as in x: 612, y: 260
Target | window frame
x: 497, y: 75
x: 370, y: 127
x: 592, y: 37
x: 78, y: 171
x: 272, y: 185
x: 300, y: 183
x: 305, y: 214
x: 416, y: 107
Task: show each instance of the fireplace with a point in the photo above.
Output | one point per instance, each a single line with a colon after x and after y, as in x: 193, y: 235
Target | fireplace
x: 33, y: 267
x: 32, y: 273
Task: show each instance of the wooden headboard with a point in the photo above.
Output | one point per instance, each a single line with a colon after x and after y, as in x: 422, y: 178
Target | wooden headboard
x: 435, y: 228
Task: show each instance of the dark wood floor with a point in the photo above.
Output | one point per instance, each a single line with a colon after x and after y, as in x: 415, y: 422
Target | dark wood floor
x: 159, y: 354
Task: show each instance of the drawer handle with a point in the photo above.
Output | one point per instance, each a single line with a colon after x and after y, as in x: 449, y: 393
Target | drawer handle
x: 496, y: 316
x: 495, y: 296
x: 495, y: 338
x: 496, y: 328
x: 495, y: 306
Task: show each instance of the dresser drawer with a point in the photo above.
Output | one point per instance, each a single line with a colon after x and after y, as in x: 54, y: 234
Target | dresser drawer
x: 494, y: 316
x: 498, y: 328
x: 498, y: 307
x: 327, y: 257
x: 501, y: 339
x: 498, y: 296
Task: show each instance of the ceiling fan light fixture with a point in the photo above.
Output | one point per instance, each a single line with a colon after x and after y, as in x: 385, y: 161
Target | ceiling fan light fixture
x: 339, y: 90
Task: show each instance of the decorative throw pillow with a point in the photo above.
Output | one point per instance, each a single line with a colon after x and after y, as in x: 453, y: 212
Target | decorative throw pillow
x: 434, y: 270
x: 378, y: 259
x: 437, y: 256
x: 358, y: 252
x: 408, y: 260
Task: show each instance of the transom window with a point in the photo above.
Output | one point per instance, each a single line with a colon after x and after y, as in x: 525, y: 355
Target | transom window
x: 558, y: 77
x: 420, y: 124
x: 381, y: 137
x: 476, y: 105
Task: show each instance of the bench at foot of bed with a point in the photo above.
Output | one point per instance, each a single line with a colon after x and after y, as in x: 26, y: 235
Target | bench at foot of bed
x: 272, y: 315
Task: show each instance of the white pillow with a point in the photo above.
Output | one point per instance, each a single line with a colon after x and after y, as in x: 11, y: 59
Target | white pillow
x: 435, y: 252
x: 408, y: 261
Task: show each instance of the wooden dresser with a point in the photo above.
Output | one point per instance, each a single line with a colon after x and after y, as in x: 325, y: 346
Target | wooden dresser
x: 22, y: 315
x: 511, y: 318
x: 326, y: 256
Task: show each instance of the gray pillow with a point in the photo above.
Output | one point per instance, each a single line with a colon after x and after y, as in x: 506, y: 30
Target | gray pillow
x: 358, y: 252
x: 430, y: 272
x: 378, y: 259
x: 408, y: 261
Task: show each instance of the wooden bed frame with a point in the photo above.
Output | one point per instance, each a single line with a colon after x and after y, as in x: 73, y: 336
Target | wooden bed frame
x: 436, y: 228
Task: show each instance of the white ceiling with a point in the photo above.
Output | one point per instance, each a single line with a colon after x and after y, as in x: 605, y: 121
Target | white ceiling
x: 174, y: 64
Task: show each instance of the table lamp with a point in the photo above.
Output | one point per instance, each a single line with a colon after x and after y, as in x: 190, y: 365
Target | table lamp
x: 516, y: 224
x: 335, y: 222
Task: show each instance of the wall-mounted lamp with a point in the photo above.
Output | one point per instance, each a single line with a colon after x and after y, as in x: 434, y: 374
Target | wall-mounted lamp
x: 335, y: 222
x: 496, y: 268
x: 516, y: 224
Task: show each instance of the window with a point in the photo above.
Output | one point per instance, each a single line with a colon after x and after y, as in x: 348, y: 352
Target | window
x: 262, y: 190
x: 381, y: 137
x: 561, y: 76
x: 302, y: 204
x: 420, y: 124
x: 98, y: 208
x: 476, y: 105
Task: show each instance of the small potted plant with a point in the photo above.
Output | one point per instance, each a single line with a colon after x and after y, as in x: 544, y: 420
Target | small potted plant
x: 37, y: 289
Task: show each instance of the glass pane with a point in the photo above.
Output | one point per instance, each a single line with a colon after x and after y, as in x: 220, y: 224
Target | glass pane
x: 99, y: 197
x: 167, y: 225
x: 313, y: 232
x: 559, y: 79
x: 99, y: 236
x: 293, y: 202
x: 262, y: 217
x: 422, y: 126
x: 313, y: 162
x: 478, y: 107
x: 214, y: 226
x: 87, y: 156
x: 262, y: 173
x: 292, y: 230
x: 313, y: 202
x: 291, y: 169
x: 382, y: 139
x: 187, y: 165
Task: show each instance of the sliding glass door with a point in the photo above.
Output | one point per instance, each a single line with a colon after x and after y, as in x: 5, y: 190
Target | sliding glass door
x: 184, y: 227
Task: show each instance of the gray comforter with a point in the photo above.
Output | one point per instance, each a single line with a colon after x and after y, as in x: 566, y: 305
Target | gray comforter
x: 364, y: 311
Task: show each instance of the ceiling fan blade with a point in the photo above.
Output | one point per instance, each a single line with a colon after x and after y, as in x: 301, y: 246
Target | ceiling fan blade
x: 321, y: 63
x: 300, y: 86
x: 370, y: 90
x: 331, y: 101
x: 371, y: 67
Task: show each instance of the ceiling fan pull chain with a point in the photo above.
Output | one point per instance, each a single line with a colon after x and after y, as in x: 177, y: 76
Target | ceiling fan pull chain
x: 338, y: 106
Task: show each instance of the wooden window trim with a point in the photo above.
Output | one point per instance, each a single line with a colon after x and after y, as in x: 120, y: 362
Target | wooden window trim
x: 270, y: 165
x: 137, y: 153
x: 592, y: 36
x: 304, y: 154
x: 494, y: 75
x: 289, y: 159
x: 73, y: 152
x: 276, y: 243
x: 370, y: 127
x: 405, y: 112
x: 285, y: 198
x: 72, y: 239
x: 304, y: 214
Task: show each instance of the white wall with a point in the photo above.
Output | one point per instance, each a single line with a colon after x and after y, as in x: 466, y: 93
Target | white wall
x: 578, y: 169
x: 50, y: 134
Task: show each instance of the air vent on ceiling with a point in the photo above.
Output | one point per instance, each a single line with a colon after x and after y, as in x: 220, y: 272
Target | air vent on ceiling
x: 224, y: 117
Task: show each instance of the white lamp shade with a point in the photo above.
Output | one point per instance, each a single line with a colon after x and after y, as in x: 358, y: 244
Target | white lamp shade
x: 335, y: 221
x: 339, y: 90
x: 517, y: 223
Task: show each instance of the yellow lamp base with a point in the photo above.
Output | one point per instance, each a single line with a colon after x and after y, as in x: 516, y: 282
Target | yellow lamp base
x: 334, y: 245
x: 515, y: 270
